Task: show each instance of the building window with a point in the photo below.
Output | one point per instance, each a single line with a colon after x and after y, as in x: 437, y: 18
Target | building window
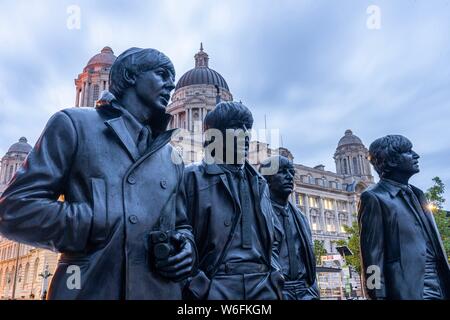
x: 330, y: 222
x: 355, y: 166
x: 96, y: 92
x: 19, y: 274
x: 11, y: 172
x: 343, y: 221
x: 35, y: 269
x: 25, y: 276
x: 313, y: 203
x: 345, y: 167
x: 342, y: 206
x: 315, y: 222
x: 328, y: 204
x: 299, y: 199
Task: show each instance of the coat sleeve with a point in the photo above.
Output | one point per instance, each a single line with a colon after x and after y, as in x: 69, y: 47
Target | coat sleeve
x: 182, y: 223
x: 372, y: 245
x: 278, y: 235
x: 29, y: 208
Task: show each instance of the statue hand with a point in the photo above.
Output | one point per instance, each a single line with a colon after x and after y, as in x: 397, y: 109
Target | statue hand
x: 179, y: 265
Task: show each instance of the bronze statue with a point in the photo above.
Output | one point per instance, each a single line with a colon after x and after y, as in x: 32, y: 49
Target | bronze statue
x: 401, y: 249
x: 122, y: 228
x: 231, y: 215
x: 296, y: 255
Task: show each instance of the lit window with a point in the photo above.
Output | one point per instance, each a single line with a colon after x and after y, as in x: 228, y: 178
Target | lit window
x: 313, y: 202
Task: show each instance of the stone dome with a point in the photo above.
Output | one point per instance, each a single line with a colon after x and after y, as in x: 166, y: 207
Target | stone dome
x: 349, y: 138
x: 20, y: 147
x: 202, y: 74
x: 106, y: 57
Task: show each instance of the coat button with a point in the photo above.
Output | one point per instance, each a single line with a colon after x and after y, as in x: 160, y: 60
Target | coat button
x: 163, y: 184
x: 227, y: 223
x: 131, y: 179
x: 133, y: 219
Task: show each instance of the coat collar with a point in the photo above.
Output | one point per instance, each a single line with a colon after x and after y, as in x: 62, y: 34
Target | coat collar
x: 118, y: 124
x: 214, y: 169
x: 392, y: 187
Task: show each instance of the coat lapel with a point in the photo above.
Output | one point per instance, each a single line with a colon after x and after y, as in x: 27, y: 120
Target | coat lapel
x: 117, y: 125
x: 214, y: 169
x: 264, y: 221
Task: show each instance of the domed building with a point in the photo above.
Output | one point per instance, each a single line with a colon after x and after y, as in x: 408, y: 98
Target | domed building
x: 94, y: 78
x: 12, y: 160
x: 26, y: 282
x: 196, y: 93
x: 351, y: 158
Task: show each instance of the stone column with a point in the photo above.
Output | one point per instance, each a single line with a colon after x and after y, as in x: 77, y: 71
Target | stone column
x: 336, y: 213
x: 77, y: 97
x: 83, y: 90
x: 307, y: 213
x: 189, y: 119
x: 322, y: 215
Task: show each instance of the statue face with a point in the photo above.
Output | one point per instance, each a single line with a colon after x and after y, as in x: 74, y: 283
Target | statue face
x: 241, y: 144
x: 408, y: 162
x: 282, y: 183
x: 153, y: 88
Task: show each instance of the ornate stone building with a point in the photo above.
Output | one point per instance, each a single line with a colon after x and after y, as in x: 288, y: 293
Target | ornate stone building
x: 12, y: 160
x: 94, y: 78
x: 23, y: 269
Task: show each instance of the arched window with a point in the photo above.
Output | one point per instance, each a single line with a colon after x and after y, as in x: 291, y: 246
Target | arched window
x: 5, y: 281
x: 355, y: 166
x: 25, y: 275
x: 343, y: 221
x: 11, y: 276
x: 329, y: 217
x: 345, y: 167
x: 19, y: 274
x: 11, y: 172
x: 35, y: 269
x: 314, y: 218
x: 96, y: 92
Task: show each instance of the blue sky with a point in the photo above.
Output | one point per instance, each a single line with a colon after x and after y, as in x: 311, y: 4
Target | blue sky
x: 313, y: 68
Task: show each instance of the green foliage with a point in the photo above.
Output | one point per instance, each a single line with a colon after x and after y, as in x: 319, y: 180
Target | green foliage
x: 319, y: 251
x: 435, y: 196
x: 353, y: 244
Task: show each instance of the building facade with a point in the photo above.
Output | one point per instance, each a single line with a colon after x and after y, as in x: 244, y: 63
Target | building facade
x: 94, y: 78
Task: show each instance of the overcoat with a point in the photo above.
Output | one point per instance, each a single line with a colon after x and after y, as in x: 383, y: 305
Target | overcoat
x: 394, y: 243
x: 113, y: 197
x: 213, y: 213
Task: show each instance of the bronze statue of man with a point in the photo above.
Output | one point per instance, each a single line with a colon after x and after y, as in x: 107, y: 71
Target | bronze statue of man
x: 402, y: 253
x: 296, y: 255
x: 113, y: 165
x: 231, y: 215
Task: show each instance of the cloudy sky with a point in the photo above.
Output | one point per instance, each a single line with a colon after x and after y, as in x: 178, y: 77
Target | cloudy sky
x: 314, y: 68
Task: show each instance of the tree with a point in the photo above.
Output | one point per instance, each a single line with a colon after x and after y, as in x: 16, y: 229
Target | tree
x: 319, y: 251
x: 353, y: 244
x: 435, y: 197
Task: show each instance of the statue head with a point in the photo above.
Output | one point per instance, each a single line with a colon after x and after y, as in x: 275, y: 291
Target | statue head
x: 281, y: 184
x: 392, y: 157
x: 232, y: 120
x: 147, y: 74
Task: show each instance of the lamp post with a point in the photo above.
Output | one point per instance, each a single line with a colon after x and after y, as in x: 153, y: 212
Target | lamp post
x: 45, y: 275
x: 15, y: 272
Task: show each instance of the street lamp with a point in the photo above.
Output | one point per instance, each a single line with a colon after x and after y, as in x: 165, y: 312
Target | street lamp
x: 45, y: 275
